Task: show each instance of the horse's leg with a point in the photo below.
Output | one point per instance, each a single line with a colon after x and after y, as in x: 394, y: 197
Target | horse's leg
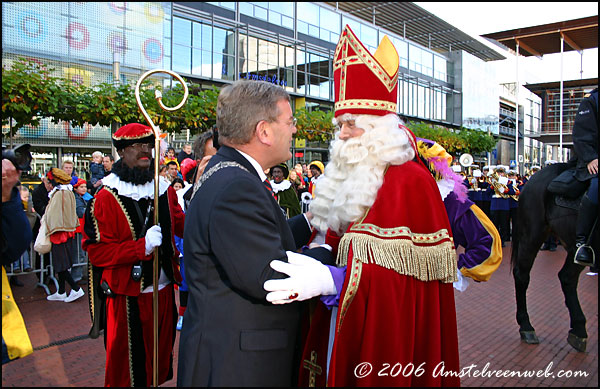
x: 569, y: 278
x: 526, y: 250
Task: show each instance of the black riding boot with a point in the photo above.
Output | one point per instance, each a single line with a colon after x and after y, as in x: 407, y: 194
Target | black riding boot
x: 588, y: 212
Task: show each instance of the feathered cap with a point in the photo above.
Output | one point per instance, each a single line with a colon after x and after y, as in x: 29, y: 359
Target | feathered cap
x: 365, y: 83
x: 59, y: 176
x: 132, y: 133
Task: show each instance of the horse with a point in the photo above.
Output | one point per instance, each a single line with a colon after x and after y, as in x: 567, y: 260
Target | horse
x: 538, y: 215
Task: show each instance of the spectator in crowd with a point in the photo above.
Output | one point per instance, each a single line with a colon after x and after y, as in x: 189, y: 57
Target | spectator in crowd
x: 69, y: 168
x: 96, y: 170
x: 191, y: 172
x: 177, y: 183
x: 172, y: 171
x: 186, y: 152
x: 61, y: 221
x: 16, y: 230
x: 39, y: 196
x: 107, y: 162
x: 170, y: 156
x: 81, y: 199
x: 162, y: 174
x: 24, y: 259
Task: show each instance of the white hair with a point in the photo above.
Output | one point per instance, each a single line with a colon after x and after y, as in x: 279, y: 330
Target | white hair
x: 355, y: 172
x: 97, y: 154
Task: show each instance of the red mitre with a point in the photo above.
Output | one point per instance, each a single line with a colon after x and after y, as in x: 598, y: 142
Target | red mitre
x: 365, y: 84
x: 132, y: 133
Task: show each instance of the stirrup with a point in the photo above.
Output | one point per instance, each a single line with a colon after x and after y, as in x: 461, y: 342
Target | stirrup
x: 585, y: 246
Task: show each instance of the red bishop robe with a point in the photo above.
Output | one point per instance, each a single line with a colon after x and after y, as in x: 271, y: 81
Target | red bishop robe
x: 396, y: 322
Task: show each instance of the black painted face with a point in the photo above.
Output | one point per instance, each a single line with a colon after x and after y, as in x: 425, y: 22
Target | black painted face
x: 138, y: 155
x: 277, y: 174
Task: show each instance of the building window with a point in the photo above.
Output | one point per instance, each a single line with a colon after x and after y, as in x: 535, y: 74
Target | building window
x: 318, y: 22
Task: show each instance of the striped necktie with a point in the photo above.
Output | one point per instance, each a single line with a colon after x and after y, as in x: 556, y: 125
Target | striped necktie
x: 269, y: 188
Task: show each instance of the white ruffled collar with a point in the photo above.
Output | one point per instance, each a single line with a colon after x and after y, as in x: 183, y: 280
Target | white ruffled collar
x: 283, y: 185
x: 60, y: 187
x: 135, y: 192
x: 446, y: 186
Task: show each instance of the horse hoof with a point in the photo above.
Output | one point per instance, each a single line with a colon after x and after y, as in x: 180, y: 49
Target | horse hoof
x: 529, y: 337
x: 577, y: 343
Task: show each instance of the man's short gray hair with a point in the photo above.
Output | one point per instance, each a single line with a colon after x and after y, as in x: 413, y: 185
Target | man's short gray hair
x: 243, y: 104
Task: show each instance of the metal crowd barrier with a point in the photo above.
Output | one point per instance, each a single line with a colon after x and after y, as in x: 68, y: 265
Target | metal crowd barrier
x: 45, y: 270
x: 305, y: 199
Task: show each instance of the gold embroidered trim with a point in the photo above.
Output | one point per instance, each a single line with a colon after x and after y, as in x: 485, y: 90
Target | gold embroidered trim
x: 353, y: 281
x: 130, y: 348
x: 122, y: 209
x: 425, y: 263
x: 134, y: 137
x: 91, y: 289
x: 96, y: 228
x: 366, y: 104
x: 404, y: 232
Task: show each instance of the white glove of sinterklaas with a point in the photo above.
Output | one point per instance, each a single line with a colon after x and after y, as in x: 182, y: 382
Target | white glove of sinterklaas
x: 307, y: 278
x: 153, y: 238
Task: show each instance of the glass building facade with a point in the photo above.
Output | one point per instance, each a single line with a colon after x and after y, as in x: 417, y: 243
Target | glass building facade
x: 290, y: 44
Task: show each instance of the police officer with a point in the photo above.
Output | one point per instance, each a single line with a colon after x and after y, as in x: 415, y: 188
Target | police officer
x: 585, y: 144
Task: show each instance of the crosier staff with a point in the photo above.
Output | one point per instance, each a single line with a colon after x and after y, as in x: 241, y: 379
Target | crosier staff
x: 156, y: 131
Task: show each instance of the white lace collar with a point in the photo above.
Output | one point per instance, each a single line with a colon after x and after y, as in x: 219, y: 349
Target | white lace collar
x: 283, y: 185
x: 60, y: 187
x: 135, y: 192
x: 446, y: 186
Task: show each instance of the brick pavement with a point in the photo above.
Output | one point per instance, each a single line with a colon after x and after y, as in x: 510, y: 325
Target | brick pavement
x: 487, y: 329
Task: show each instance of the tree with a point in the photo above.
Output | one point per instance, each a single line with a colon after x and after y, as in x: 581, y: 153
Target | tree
x: 314, y: 125
x: 455, y: 141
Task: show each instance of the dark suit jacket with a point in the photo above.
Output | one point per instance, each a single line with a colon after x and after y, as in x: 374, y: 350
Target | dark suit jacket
x: 231, y: 335
x: 585, y: 135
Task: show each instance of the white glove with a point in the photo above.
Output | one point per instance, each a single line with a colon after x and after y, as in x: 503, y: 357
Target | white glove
x: 462, y: 283
x: 307, y: 278
x: 153, y: 239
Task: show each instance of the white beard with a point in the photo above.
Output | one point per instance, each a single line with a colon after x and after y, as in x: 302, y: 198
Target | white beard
x: 354, y: 174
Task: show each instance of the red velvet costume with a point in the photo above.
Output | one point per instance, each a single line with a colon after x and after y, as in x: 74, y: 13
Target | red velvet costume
x: 396, y: 321
x: 111, y: 232
x: 397, y: 304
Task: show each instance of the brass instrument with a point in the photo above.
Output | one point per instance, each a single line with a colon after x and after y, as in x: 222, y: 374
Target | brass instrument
x: 156, y: 131
x: 499, y: 188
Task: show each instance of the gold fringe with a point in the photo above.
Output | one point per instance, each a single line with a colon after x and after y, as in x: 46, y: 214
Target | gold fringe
x: 425, y: 263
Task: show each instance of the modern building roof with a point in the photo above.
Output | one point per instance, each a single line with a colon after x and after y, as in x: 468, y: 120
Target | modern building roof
x: 538, y: 89
x: 578, y: 34
x: 412, y: 22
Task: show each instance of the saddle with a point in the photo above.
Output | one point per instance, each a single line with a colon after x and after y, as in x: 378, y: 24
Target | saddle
x: 567, y: 202
x: 567, y: 186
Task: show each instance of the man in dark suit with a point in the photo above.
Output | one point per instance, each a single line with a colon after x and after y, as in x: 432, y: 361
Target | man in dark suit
x: 231, y: 335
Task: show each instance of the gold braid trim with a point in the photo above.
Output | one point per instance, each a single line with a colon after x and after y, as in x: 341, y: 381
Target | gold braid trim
x: 130, y: 348
x: 93, y: 213
x: 425, y: 263
x: 351, y: 289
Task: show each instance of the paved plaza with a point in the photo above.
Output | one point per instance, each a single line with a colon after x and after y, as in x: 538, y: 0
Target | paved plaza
x: 488, y: 334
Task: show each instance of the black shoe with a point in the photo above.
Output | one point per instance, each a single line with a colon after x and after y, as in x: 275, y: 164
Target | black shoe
x: 584, y: 255
x: 15, y: 281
